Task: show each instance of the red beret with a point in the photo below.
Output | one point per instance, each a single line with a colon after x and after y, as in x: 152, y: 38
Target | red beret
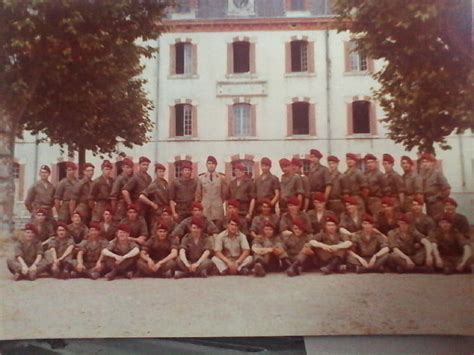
x: 266, y: 161
x: 71, y: 165
x: 388, y: 158
x: 234, y: 217
x: 132, y: 207
x: 78, y: 213
x: 45, y: 167
x: 266, y: 201
x: 351, y: 200
x: 88, y: 165
x: 198, y: 222
x: 368, y: 218
x: 284, y: 162
x: 31, y: 227
x: 239, y: 166
x: 407, y: 159
x: 300, y: 223
x: 109, y: 210
x: 42, y: 210
x: 389, y: 201
x: 316, y: 153
x: 333, y: 158
x: 197, y: 204
x: 159, y: 166
x: 352, y: 156
x: 319, y: 196
x: 162, y: 226
x: 451, y: 201
x: 418, y: 200
x: 124, y: 227
x: 233, y: 202
x: 167, y: 210
x: 61, y: 224
x: 297, y: 162
x: 331, y: 218
x: 293, y: 200
x: 427, y: 156
x: 186, y: 164
x: 404, y: 217
x: 370, y: 157
x: 445, y: 217
x: 269, y: 224
x: 94, y: 225
x: 143, y: 160
x: 211, y: 159
x: 127, y: 162
x: 107, y: 164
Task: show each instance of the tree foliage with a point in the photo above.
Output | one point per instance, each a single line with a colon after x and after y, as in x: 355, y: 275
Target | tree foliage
x: 427, y: 85
x: 70, y: 69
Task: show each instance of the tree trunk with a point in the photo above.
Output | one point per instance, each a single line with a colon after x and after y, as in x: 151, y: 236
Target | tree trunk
x: 7, y: 182
x: 82, y: 160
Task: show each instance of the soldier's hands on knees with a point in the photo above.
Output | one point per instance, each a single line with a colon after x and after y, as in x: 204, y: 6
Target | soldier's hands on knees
x: 24, y: 270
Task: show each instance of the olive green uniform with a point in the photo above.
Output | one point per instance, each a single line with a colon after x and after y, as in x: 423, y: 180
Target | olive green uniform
x: 117, y: 197
x: 91, y: 250
x: 265, y: 187
x: 334, y: 202
x: 100, y: 193
x: 353, y: 181
x: 159, y: 249
x: 291, y: 185
x: 232, y: 247
x: 78, y: 232
x: 41, y: 195
x: 434, y: 184
x: 29, y: 252
x: 413, y: 185
x: 409, y: 244
x: 64, y: 193
x: 243, y: 191
x: 376, y: 184
x: 269, y: 261
x: 183, y: 193
x: 286, y: 221
x: 194, y: 252
x: 117, y: 248
x: 81, y: 194
x: 366, y: 248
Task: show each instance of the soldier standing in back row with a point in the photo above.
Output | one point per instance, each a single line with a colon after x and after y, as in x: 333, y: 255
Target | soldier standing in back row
x: 41, y: 194
x: 267, y: 185
x: 156, y: 196
x: 435, y: 186
x: 394, y: 181
x: 412, y: 183
x: 291, y: 185
x: 353, y: 181
x: 335, y: 203
x: 376, y: 185
x: 242, y: 189
x: 100, y: 191
x: 183, y: 192
x: 81, y: 194
x: 64, y: 194
x: 319, y: 177
x: 211, y: 192
x: 119, y: 206
x: 297, y: 166
x: 137, y: 184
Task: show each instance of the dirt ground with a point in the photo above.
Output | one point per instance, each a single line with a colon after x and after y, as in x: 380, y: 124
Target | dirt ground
x: 276, y: 305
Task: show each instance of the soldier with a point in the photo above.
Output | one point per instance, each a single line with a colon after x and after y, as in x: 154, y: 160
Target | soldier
x: 319, y: 177
x: 119, y: 206
x: 121, y: 255
x: 265, y: 249
x: 409, y: 248
x: 353, y: 181
x: 89, y: 255
x: 422, y: 222
x: 232, y: 250
x: 435, y: 186
x: 287, y: 218
x: 317, y: 216
x: 267, y: 185
x: 44, y: 229
x: 330, y: 247
x: 194, y: 252
x: 64, y: 193
x: 211, y: 192
x: 138, y: 230
x: 77, y: 229
x: 242, y: 189
x: 291, y: 185
x: 394, y: 182
x: 167, y: 219
x: 183, y: 192
x: 265, y: 215
x: 297, y: 166
x: 80, y: 200
x: 158, y: 256
x: 351, y: 220
x: 108, y: 227
x: 335, y: 203
x: 41, y: 195
x: 460, y: 222
x: 376, y: 185
x: 451, y: 250
x: 61, y: 248
x: 156, y: 195
x: 387, y: 218
x: 28, y: 261
x: 232, y: 209
x: 412, y: 182
x: 184, y: 227
x: 100, y: 191
x: 137, y: 184
x: 369, y: 248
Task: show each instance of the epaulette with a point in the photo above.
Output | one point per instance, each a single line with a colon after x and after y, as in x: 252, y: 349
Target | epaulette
x: 201, y: 174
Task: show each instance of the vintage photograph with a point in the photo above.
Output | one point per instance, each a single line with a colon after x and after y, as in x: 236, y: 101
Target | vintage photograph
x: 236, y: 168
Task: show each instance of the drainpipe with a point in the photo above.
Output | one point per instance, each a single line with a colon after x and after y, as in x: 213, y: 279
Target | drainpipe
x: 328, y: 91
x: 36, y: 154
x: 156, y: 135
x: 461, y: 157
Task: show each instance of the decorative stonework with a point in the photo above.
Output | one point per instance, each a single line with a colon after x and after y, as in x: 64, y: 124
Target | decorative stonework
x: 240, y: 8
x: 252, y: 88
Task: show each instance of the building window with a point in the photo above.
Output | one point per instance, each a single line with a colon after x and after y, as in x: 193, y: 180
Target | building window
x: 61, y: 170
x: 241, y: 56
x: 184, y: 120
x: 184, y: 58
x: 306, y: 166
x: 361, y: 117
x: 183, y: 6
x: 355, y: 61
x: 300, y: 111
x: 297, y: 5
x: 178, y: 171
x: 299, y: 56
x: 242, y: 124
x: 249, y: 167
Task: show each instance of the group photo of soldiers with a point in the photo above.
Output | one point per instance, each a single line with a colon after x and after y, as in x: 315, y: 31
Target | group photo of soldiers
x: 198, y: 225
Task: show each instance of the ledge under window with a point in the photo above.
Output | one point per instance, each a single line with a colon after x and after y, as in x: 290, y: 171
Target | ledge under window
x: 183, y: 76
x: 243, y: 138
x: 357, y: 73
x: 300, y: 74
x: 241, y: 76
x: 183, y: 139
x: 301, y: 137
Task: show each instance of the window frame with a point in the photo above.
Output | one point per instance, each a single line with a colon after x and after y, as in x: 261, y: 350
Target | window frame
x: 187, y: 120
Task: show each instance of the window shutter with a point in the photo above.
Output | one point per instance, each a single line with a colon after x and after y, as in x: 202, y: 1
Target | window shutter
x: 230, y: 59
x: 373, y: 118
x: 230, y: 120
x: 310, y: 54
x: 347, y: 59
x: 194, y: 127
x: 172, y: 59
x: 256, y: 169
x: 370, y: 65
x: 172, y: 122
x: 253, y: 120
x: 195, y: 170
x: 252, y: 58
x: 228, y: 171
x: 171, y: 172
x: 289, y: 119
x: 288, y: 57
x: 350, y: 126
x: 195, y: 58
x: 21, y: 182
x: 312, y: 119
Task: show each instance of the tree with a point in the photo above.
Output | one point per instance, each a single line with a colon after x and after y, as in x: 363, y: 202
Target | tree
x: 70, y: 69
x: 427, y: 84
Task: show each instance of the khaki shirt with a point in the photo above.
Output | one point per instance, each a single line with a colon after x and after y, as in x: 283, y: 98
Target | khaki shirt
x: 353, y: 181
x: 449, y: 244
x: 101, y: 189
x: 434, y: 182
x: 413, y: 183
x: 290, y: 186
x: 336, y: 182
x: 243, y: 191
x: 183, y: 192
x: 92, y: 250
x: 137, y: 184
x: 194, y: 250
x: 319, y: 178
x: 81, y: 191
x: 137, y: 228
x: 265, y: 187
x: 231, y: 246
x: 117, y: 187
x: 159, y: 249
x: 40, y: 194
x: 376, y: 183
x: 293, y: 244
x: 158, y: 192
x: 394, y: 184
x: 408, y: 243
x: 64, y: 191
x: 28, y: 250
x: 367, y: 248
x: 212, y: 194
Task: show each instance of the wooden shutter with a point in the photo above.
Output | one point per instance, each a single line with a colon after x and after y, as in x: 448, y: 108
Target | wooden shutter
x: 289, y: 119
x: 171, y: 172
x: 172, y: 122
x: 252, y: 58
x: 350, y: 123
x: 370, y: 65
x: 310, y: 54
x: 373, y: 118
x: 195, y: 58
x: 288, y: 57
x: 312, y: 119
x: 253, y: 120
x: 347, y: 59
x: 230, y: 120
x: 230, y: 59
x: 172, y: 59
x: 194, y: 123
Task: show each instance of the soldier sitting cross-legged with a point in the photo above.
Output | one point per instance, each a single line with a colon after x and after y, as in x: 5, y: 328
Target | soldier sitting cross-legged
x: 89, y: 256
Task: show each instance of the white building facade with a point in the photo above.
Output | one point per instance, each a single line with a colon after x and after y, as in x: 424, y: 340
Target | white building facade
x: 243, y: 79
